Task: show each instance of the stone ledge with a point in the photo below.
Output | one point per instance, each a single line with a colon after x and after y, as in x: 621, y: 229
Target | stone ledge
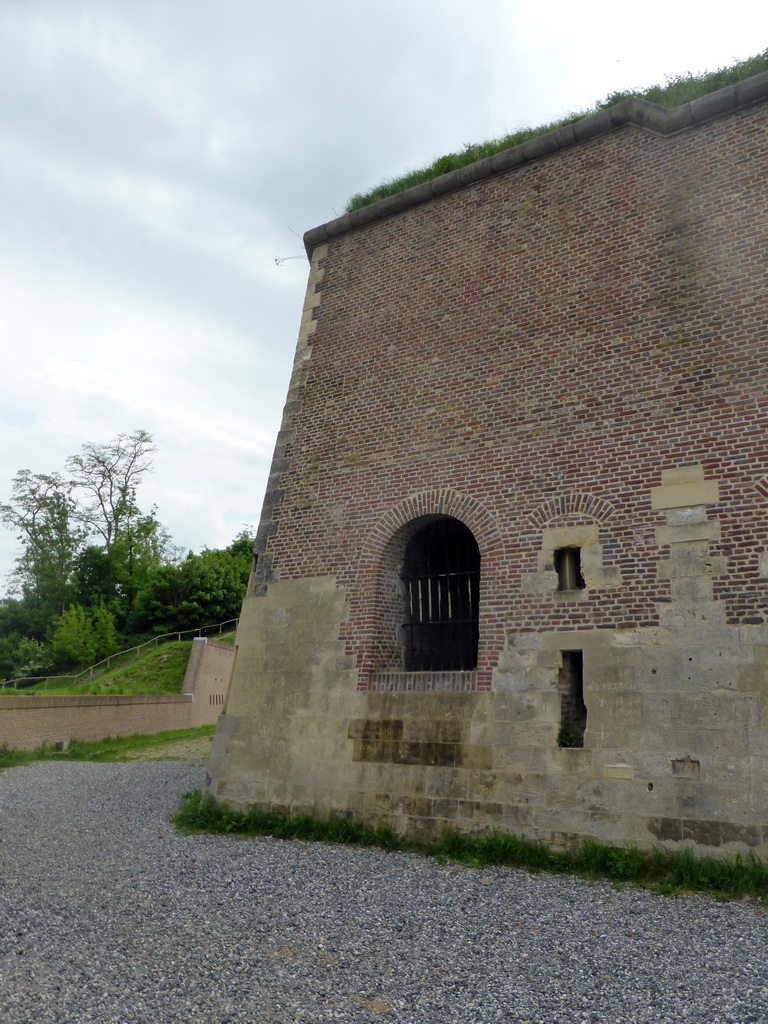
x: 36, y: 701
x: 640, y: 113
x: 425, y: 681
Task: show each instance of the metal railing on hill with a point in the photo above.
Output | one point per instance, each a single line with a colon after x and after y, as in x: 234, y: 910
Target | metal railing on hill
x: 87, y: 674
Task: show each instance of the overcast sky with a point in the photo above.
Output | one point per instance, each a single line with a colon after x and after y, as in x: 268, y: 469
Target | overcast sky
x: 157, y: 156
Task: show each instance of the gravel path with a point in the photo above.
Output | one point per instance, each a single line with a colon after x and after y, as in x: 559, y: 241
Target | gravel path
x: 106, y: 915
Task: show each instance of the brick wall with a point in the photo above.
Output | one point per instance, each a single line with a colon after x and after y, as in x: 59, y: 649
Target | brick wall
x: 568, y: 331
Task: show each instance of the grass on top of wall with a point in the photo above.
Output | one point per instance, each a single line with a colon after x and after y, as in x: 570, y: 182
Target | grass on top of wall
x: 112, y: 748
x: 677, y: 90
x: 662, y: 871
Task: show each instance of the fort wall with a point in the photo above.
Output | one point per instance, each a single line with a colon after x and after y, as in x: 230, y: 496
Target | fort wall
x: 568, y: 352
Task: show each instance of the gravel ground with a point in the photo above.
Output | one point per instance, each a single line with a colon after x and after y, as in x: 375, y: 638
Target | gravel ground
x: 106, y: 915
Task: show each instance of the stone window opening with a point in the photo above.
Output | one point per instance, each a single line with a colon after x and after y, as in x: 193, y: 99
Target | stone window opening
x: 568, y: 569
x: 570, y: 564
x: 441, y: 585
x: 573, y: 710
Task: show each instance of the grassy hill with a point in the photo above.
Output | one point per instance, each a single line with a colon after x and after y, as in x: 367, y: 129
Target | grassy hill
x: 159, y: 670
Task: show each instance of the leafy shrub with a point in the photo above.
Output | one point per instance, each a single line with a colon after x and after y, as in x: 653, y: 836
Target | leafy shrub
x: 570, y: 735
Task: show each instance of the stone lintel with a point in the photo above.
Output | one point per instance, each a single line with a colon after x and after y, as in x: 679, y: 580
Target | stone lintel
x: 692, y: 474
x: 682, y: 568
x: 706, y: 492
x: 703, y: 612
x: 708, y: 530
x: 582, y: 536
x: 538, y: 583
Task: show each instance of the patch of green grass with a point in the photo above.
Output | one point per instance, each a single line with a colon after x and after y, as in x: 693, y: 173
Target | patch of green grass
x: 112, y: 748
x: 159, y: 670
x: 62, y: 684
x: 663, y: 871
x: 200, y: 813
x: 677, y: 90
x: 10, y: 758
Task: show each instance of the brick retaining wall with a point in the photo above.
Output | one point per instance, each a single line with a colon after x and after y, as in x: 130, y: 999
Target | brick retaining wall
x: 28, y: 722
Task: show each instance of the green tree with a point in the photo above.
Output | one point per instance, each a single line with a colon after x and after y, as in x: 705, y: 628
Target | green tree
x: 108, y: 475
x: 94, y: 564
x: 94, y: 577
x: 15, y: 616
x: 131, y: 543
x: 81, y: 638
x: 104, y: 633
x: 142, y: 546
x: 32, y: 656
x: 84, y: 540
x: 22, y: 655
x: 73, y: 642
x: 200, y: 590
x: 114, y: 578
x: 44, y: 513
x: 11, y: 656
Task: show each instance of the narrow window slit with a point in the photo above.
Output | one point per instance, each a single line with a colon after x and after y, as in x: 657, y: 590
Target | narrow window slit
x: 568, y: 569
x: 573, y: 710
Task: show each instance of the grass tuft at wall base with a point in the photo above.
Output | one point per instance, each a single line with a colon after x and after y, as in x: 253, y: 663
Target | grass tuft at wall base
x: 663, y: 871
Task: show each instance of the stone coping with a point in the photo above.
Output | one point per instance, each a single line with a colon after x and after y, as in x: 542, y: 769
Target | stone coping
x: 634, y: 111
x: 40, y: 700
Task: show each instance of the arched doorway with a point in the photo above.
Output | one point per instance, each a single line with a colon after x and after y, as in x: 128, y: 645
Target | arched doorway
x: 441, y: 587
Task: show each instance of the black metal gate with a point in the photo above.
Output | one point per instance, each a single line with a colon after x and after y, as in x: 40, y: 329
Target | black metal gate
x: 441, y: 574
